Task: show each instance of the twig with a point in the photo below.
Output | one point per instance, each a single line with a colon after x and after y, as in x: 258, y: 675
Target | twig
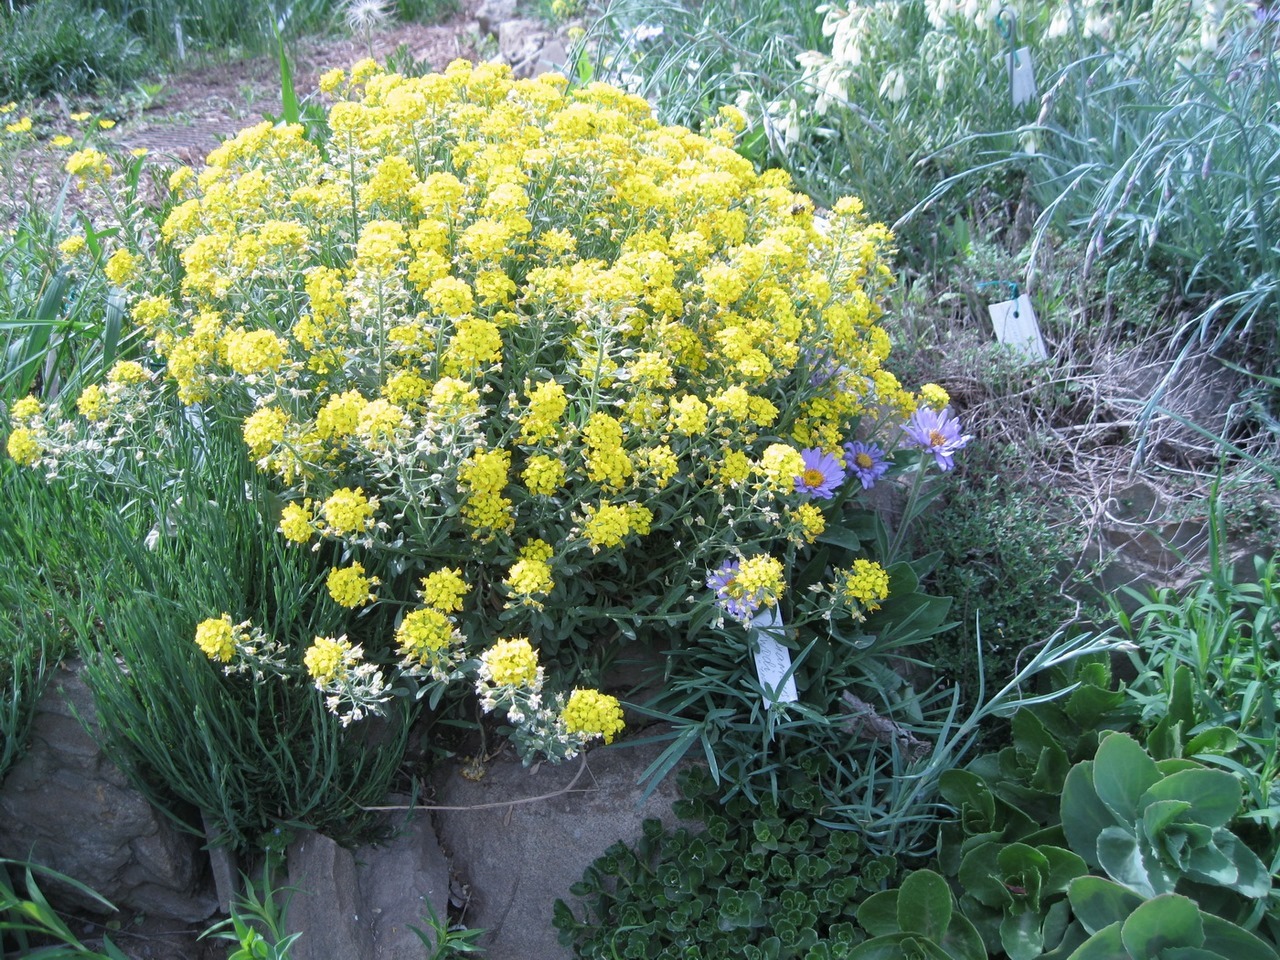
x: 500, y: 803
x: 865, y: 722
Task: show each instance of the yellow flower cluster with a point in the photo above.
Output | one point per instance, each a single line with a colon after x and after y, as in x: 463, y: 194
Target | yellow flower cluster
x: 216, y: 638
x: 608, y: 524
x: 326, y: 658
x: 23, y: 447
x: 297, y: 522
x: 590, y: 713
x: 510, y: 663
x: 349, y: 587
x: 530, y: 576
x: 425, y: 632
x: 444, y: 590
x: 760, y: 578
x: 348, y: 511
x: 494, y: 312
x: 934, y: 397
x: 864, y: 585
x: 88, y: 165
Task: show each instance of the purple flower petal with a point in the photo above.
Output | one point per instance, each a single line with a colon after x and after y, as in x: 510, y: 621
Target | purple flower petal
x: 937, y: 433
x: 866, y: 461
x: 822, y: 474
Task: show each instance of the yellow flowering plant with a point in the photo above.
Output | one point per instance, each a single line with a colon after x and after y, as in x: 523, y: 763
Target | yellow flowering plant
x: 527, y: 349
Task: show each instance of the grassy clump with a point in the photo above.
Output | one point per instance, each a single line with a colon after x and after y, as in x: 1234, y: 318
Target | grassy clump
x: 60, y: 46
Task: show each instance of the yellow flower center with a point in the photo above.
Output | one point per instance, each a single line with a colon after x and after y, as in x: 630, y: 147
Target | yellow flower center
x: 936, y: 438
x: 813, y: 477
x: 864, y: 461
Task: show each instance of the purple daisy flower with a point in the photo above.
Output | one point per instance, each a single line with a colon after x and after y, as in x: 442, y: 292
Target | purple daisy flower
x: 822, y: 474
x: 865, y: 461
x: 739, y: 607
x: 937, y: 433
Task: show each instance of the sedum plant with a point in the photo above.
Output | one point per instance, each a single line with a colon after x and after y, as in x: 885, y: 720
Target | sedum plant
x: 1124, y: 926
x: 1153, y: 826
x: 540, y: 374
x: 919, y: 921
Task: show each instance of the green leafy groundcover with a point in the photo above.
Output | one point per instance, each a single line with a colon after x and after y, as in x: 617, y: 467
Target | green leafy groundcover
x: 743, y: 880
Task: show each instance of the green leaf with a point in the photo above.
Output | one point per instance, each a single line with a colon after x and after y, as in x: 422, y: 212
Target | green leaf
x: 1021, y: 935
x: 1214, y: 740
x: 924, y: 904
x: 1103, y: 945
x: 969, y: 794
x: 878, y: 914
x: 290, y: 112
x: 898, y: 946
x: 1121, y: 856
x: 1181, y: 703
x: 1249, y: 876
x: 962, y: 940
x: 1215, y: 794
x: 1064, y: 866
x: 1084, y: 816
x: 981, y: 877
x: 841, y: 536
x: 1158, y: 815
x: 1122, y: 773
x: 1225, y: 938
x: 1099, y: 903
x: 1169, y: 920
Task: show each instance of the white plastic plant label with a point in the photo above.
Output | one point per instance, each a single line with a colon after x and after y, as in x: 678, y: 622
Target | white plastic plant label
x: 1016, y: 326
x: 773, y: 660
x: 1022, y: 76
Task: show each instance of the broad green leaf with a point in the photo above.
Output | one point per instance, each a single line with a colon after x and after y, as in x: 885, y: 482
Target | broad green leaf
x: 1166, y: 921
x: 1225, y: 938
x: 898, y: 946
x: 1084, y: 816
x: 924, y: 904
x: 1214, y: 794
x: 1103, y: 945
x: 1181, y: 704
x: 878, y: 914
x: 1099, y: 903
x: 1250, y: 876
x: 839, y: 535
x: 980, y: 876
x: 1158, y: 815
x: 962, y: 940
x: 1021, y: 935
x: 1213, y: 740
x: 1064, y: 866
x: 1210, y: 864
x: 1122, y: 773
x: 1120, y: 855
x: 969, y: 794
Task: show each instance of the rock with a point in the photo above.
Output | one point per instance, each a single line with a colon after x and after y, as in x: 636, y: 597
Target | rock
x: 520, y: 44
x: 519, y: 858
x: 492, y: 13
x: 397, y: 880
x: 325, y: 907
x: 66, y: 806
x: 359, y: 905
x: 553, y: 57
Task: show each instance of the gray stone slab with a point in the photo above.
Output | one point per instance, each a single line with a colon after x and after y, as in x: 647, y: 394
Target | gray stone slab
x: 66, y: 806
x: 519, y: 858
x: 360, y: 904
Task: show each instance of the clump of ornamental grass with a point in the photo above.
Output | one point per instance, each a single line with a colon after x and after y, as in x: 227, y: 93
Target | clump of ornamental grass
x: 538, y: 372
